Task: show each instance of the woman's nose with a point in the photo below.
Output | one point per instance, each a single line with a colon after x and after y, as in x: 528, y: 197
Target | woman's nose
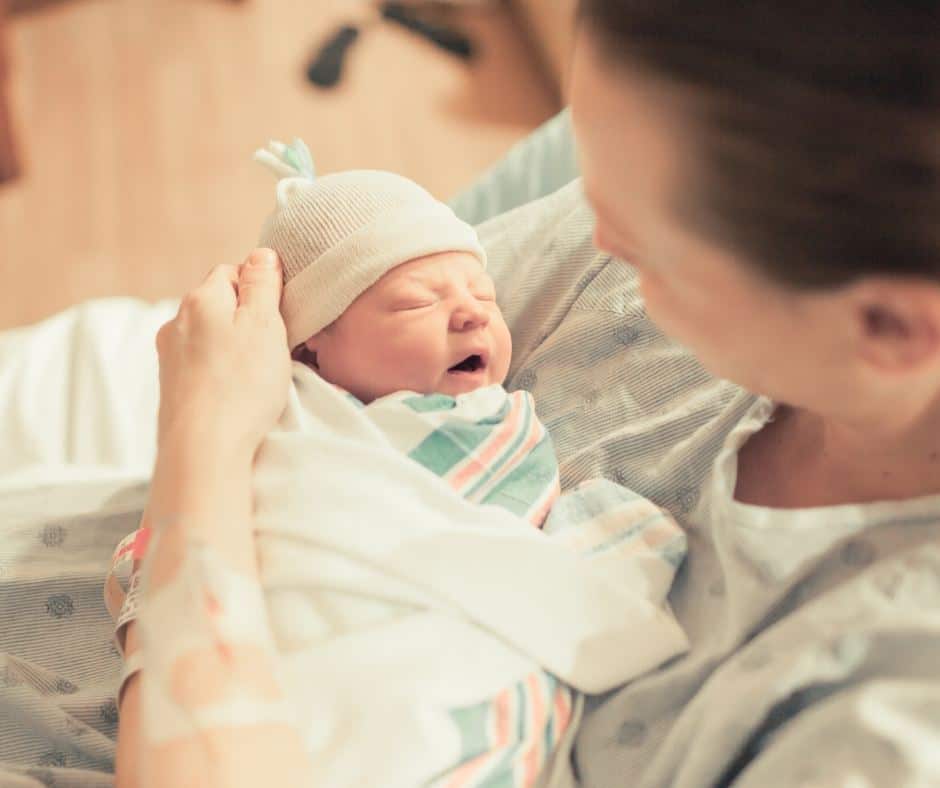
x: 469, y: 315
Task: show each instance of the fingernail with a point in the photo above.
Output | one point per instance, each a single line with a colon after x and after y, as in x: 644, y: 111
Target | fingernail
x: 264, y: 257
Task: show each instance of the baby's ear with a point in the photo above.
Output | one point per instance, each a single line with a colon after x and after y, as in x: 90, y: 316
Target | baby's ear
x: 306, y: 354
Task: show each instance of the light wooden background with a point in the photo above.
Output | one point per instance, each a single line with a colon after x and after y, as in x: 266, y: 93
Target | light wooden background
x: 137, y: 120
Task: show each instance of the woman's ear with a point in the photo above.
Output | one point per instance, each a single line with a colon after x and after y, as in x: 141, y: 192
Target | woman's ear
x: 898, y: 323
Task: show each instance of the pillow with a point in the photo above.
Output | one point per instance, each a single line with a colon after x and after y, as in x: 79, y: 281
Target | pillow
x: 540, y: 164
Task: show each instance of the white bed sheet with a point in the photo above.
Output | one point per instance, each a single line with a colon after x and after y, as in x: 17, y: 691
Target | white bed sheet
x: 80, y: 393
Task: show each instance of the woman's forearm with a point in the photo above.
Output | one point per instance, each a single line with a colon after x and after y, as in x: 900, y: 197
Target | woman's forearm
x: 201, y: 495
x: 201, y: 489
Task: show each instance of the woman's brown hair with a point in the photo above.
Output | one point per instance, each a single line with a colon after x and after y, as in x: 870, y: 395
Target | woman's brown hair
x: 815, y: 129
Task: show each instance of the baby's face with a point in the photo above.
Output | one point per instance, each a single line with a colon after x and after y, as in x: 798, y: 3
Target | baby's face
x: 430, y: 325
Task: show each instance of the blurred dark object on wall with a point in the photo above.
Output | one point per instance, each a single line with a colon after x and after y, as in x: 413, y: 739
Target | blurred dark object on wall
x: 326, y: 67
x: 426, y: 19
x: 447, y: 38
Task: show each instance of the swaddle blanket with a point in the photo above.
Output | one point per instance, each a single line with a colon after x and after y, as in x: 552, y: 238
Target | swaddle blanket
x: 429, y: 639
x: 488, y: 445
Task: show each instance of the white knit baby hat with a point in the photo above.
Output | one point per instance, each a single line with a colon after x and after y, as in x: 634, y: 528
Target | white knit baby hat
x: 338, y: 234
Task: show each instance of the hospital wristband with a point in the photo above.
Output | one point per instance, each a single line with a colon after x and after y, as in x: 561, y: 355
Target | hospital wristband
x: 122, y: 585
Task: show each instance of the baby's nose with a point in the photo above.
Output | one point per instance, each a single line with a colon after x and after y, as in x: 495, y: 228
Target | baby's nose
x: 469, y: 315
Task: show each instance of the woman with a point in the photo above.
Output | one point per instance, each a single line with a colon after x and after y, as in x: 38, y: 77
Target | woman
x: 772, y: 179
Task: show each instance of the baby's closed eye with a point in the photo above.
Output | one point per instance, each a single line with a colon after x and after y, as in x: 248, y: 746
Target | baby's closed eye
x: 483, y: 289
x: 408, y: 302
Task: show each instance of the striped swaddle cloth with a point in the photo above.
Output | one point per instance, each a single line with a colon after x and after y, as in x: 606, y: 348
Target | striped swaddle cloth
x: 488, y: 445
x: 491, y: 448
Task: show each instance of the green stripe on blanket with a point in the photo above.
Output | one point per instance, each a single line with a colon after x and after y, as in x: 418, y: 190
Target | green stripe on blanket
x: 452, y: 442
x: 518, y: 490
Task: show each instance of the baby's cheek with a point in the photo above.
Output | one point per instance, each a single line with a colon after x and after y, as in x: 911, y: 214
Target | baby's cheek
x: 404, y: 363
x: 505, y: 350
x: 411, y: 353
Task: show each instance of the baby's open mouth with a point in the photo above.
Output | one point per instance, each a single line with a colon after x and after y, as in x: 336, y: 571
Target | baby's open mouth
x: 472, y: 363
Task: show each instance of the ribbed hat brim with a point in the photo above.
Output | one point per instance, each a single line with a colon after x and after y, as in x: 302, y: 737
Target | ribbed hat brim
x: 320, y: 293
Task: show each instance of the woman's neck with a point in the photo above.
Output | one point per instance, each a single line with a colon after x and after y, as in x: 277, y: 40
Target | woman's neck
x: 801, y: 459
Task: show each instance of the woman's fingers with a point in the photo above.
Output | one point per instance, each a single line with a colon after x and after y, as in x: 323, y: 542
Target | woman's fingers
x: 259, y: 283
x: 217, y: 293
x: 229, y: 324
x: 254, y: 286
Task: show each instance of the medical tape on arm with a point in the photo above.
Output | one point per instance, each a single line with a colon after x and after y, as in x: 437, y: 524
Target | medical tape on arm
x: 195, y: 629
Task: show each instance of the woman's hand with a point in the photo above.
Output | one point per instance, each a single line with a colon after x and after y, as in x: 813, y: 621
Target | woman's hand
x: 224, y: 362
x: 224, y: 374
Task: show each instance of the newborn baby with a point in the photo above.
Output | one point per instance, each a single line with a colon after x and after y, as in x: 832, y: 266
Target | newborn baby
x: 425, y: 633
x: 386, y: 295
x: 450, y: 642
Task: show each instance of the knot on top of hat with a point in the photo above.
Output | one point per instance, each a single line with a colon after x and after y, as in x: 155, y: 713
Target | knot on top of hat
x: 291, y: 160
